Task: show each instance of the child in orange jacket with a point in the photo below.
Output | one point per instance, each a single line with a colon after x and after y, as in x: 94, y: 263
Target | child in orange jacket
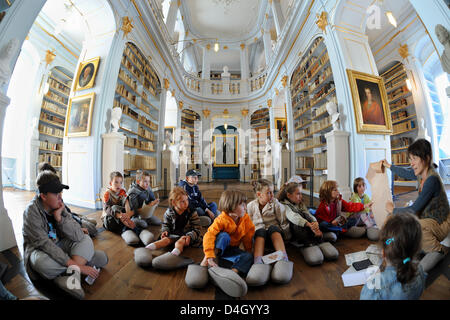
x: 228, y: 230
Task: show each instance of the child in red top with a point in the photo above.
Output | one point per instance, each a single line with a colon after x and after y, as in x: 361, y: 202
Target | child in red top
x: 331, y: 206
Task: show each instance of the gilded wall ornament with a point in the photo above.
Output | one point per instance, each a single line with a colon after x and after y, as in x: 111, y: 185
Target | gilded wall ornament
x: 322, y: 21
x: 269, y: 103
x: 206, y: 113
x: 180, y: 105
x: 50, y: 56
x: 403, y: 51
x: 284, y: 81
x: 244, y: 112
x: 166, y: 84
x: 127, y: 26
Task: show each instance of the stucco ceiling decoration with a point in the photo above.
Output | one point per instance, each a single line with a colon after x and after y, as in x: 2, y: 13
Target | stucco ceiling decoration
x: 227, y: 20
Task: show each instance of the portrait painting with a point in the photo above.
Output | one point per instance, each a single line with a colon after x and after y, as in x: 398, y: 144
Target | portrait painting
x: 87, y: 72
x: 79, y: 116
x: 370, y: 103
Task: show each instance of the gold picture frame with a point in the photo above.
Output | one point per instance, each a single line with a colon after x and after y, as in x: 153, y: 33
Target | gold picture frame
x: 221, y: 137
x: 79, y: 116
x: 370, y: 103
x: 280, y: 125
x: 87, y: 72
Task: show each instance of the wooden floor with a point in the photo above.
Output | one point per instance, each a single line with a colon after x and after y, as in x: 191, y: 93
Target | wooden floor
x: 122, y: 279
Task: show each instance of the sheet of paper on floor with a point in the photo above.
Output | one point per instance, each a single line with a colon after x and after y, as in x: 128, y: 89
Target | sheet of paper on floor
x: 381, y: 193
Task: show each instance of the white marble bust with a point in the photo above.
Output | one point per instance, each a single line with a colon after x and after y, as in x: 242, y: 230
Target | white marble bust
x: 6, y: 55
x: 225, y: 72
x: 334, y: 114
x: 444, y: 37
x: 116, y: 113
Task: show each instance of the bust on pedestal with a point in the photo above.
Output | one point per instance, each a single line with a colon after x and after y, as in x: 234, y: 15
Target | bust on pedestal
x: 444, y: 37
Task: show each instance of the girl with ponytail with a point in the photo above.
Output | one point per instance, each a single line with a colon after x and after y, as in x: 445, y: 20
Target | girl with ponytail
x: 400, y: 276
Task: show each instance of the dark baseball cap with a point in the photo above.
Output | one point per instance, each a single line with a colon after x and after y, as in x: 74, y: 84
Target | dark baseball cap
x: 192, y: 172
x: 54, y: 186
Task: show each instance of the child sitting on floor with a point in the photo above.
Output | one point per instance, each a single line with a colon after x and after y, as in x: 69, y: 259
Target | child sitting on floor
x: 141, y: 193
x: 329, y: 213
x: 305, y: 228
x: 117, y: 216
x: 364, y: 218
x: 181, y: 226
x: 231, y: 228
x: 196, y: 200
x: 400, y: 276
x: 269, y: 218
x: 88, y: 225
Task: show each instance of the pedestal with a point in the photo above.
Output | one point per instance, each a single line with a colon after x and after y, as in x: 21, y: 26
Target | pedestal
x: 448, y: 91
x: 112, y: 155
x: 183, y: 168
x: 285, y: 168
x: 168, y: 171
x: 338, y: 161
x: 32, y: 159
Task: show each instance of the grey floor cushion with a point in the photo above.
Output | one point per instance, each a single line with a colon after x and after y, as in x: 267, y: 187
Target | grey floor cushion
x: 259, y: 274
x: 312, y: 255
x: 355, y: 232
x: 205, y: 221
x: 63, y: 283
x: 169, y: 261
x: 141, y: 223
x: 146, y: 211
x: 196, y: 276
x: 430, y: 260
x: 146, y: 237
x: 329, y: 251
x: 373, y: 234
x: 229, y: 281
x: 90, y: 220
x: 282, y: 271
x: 130, y: 237
x: 100, y: 259
x: 329, y: 236
x: 143, y: 257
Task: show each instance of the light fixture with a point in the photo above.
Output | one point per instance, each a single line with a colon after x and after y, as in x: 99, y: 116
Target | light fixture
x: 225, y: 126
x: 391, y: 18
x: 408, y: 84
x: 216, y: 46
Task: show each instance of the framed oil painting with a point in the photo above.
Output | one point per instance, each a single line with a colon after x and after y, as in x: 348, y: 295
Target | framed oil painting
x: 79, y: 116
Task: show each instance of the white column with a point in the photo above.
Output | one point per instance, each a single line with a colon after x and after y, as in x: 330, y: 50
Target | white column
x: 338, y: 153
x: 206, y: 70
x: 172, y: 17
x: 7, y: 238
x: 290, y: 127
x: 113, y: 159
x: 160, y: 140
x: 267, y: 44
x: 206, y: 149
x: 244, y: 69
x: 277, y: 15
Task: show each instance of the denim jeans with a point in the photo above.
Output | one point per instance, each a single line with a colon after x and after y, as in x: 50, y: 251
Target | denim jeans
x: 211, y: 206
x: 5, y: 294
x: 327, y: 226
x: 242, y: 260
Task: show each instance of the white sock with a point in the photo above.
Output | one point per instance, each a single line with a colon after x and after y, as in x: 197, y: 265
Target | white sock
x: 151, y: 246
x: 176, y: 252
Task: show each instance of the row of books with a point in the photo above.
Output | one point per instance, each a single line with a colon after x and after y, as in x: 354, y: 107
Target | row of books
x: 50, y: 145
x: 54, y: 108
x: 136, y: 143
x: 320, y: 160
x: 404, y: 126
x: 319, y: 79
x: 128, y: 80
x: 144, y: 120
x: 54, y: 159
x: 121, y: 89
x: 315, y: 141
x: 51, y: 131
x: 58, y: 86
x: 57, y: 98
x: 145, y: 133
x: 132, y: 161
x: 51, y: 118
x: 400, y: 157
x: 401, y: 142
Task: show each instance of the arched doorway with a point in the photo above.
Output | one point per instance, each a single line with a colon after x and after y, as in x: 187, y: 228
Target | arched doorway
x: 225, y: 146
